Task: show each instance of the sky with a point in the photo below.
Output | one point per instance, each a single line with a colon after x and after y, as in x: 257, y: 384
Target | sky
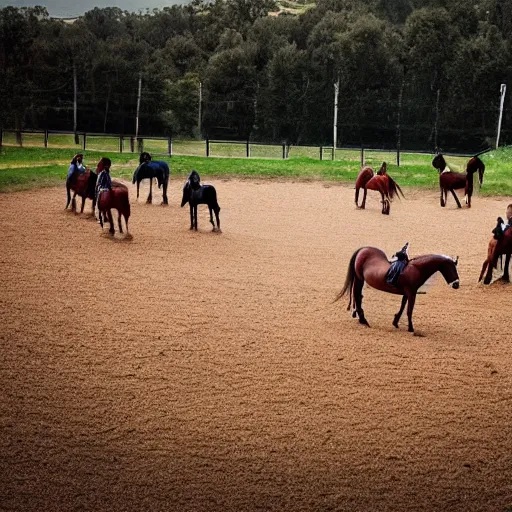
x: 67, y: 8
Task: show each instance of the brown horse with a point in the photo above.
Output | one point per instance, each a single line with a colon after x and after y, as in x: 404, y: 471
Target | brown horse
x: 496, y: 249
x: 84, y: 186
x: 380, y: 182
x: 371, y: 265
x: 117, y: 198
x: 449, y: 181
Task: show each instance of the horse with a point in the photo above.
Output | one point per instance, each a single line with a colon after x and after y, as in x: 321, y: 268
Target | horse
x: 194, y: 193
x: 84, y: 186
x: 497, y: 248
x: 370, y: 265
x: 149, y: 169
x: 380, y: 182
x: 451, y: 181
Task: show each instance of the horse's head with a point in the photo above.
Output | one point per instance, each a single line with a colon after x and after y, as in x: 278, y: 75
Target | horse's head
x: 187, y: 192
x: 103, y: 164
x: 194, y: 179
x: 383, y: 169
x: 449, y: 271
x: 144, y: 157
x: 439, y: 162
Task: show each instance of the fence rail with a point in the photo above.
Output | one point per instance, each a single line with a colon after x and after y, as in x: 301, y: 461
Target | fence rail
x: 119, y: 143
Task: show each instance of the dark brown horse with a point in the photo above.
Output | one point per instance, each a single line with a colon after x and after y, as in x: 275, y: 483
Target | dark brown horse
x: 495, y: 250
x: 380, y: 182
x: 82, y: 185
x: 370, y: 265
x: 449, y: 181
x: 117, y: 198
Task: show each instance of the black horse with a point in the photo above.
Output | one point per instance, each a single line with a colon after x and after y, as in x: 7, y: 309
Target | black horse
x: 194, y: 193
x: 149, y: 169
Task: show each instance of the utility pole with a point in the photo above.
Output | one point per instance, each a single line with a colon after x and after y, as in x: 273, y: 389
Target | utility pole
x: 199, y: 110
x: 437, y: 121
x: 503, y: 90
x: 75, y: 89
x: 335, y: 126
x: 138, y: 106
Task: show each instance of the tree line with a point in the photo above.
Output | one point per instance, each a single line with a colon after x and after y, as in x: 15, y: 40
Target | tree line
x: 425, y: 74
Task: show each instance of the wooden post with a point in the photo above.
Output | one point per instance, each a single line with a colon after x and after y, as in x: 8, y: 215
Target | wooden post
x: 321, y: 153
x: 138, y: 106
x: 284, y: 151
x: 437, y: 120
x: 362, y: 156
x: 398, y: 124
x: 75, y: 102
x: 247, y: 149
x: 132, y: 144
x: 199, y: 109
x: 207, y: 146
x: 169, y: 146
x: 46, y: 139
x: 85, y: 137
x: 120, y: 143
x: 1, y: 137
x: 503, y: 90
x: 335, y: 127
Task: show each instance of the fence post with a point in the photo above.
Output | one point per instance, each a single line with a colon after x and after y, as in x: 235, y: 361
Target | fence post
x: 398, y: 156
x: 132, y: 144
x: 321, y: 153
x: 85, y: 144
x: 140, y: 145
x: 247, y: 149
x: 169, y: 146
x: 120, y: 143
x: 207, y: 146
x: 1, y: 137
x: 362, y: 156
x: 46, y: 139
x: 284, y: 151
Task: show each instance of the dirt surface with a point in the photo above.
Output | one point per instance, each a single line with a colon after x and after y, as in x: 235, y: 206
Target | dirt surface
x: 183, y: 371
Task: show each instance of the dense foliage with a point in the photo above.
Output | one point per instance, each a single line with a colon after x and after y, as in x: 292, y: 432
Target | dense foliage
x: 427, y: 72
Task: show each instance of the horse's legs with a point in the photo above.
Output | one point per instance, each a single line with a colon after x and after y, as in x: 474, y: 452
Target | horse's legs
x: 83, y: 204
x: 506, y: 276
x: 357, y: 197
x: 111, y: 221
x: 150, y: 197
x: 100, y: 215
x: 73, y: 203
x: 195, y: 217
x: 191, y: 216
x: 211, y: 217
x: 399, y: 314
x: 443, y: 200
x: 217, y: 210
x: 456, y: 198
x: 119, y: 222
x: 165, y: 200
x: 138, y: 184
x: 358, y: 300
x: 410, y: 307
x: 363, y: 204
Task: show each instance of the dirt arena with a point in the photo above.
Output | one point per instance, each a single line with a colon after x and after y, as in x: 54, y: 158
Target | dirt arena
x: 182, y: 371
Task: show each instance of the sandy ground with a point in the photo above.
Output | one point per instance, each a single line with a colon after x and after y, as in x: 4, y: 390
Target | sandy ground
x: 184, y: 371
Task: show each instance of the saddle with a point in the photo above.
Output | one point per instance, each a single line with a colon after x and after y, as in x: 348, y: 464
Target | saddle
x: 501, y: 228
x: 397, y: 266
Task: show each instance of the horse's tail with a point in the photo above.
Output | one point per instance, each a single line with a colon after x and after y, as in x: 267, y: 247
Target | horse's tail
x: 124, y: 204
x: 349, y: 280
x: 394, y: 189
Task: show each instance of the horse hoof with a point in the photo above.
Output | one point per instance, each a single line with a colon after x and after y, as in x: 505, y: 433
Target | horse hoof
x: 363, y: 321
x: 487, y: 281
x: 395, y: 323
x: 411, y: 329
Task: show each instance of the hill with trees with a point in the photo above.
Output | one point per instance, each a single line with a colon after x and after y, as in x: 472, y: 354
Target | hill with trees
x: 426, y: 73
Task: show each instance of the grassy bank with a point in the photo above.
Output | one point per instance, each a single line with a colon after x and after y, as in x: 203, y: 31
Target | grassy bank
x: 24, y: 168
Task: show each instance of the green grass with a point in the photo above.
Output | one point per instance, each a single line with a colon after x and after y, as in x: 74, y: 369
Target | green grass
x: 29, y: 167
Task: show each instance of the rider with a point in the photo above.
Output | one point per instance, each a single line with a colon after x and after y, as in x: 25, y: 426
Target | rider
x: 502, y: 226
x: 397, y: 266
x: 76, y: 166
x: 104, y: 180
